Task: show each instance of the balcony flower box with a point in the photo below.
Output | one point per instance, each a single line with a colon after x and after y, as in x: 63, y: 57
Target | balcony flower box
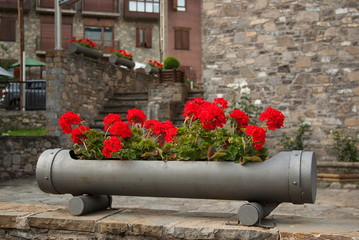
x: 86, y: 51
x: 122, y: 61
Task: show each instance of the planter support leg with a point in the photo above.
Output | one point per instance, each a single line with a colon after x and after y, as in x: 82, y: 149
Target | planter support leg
x: 81, y: 205
x: 252, y: 213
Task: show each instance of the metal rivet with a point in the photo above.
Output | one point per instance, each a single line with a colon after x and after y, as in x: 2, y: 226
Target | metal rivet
x: 295, y: 183
x: 46, y: 178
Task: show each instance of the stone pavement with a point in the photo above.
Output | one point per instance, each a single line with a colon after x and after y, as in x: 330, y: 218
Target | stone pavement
x: 28, y: 213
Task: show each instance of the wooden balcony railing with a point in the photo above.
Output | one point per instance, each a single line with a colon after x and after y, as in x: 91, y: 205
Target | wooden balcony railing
x: 12, y: 4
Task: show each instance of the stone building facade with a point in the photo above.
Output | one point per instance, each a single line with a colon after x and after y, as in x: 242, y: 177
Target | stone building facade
x: 301, y: 57
x: 76, y: 16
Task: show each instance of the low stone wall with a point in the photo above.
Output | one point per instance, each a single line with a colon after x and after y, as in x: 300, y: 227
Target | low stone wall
x: 19, y: 119
x: 19, y: 154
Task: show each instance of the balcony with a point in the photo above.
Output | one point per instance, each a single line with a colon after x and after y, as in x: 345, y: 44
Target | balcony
x: 139, y: 10
x: 105, y: 8
x: 43, y: 44
x: 48, y: 6
x: 12, y: 5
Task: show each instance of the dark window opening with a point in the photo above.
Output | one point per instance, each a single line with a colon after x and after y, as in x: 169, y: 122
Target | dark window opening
x: 144, y: 37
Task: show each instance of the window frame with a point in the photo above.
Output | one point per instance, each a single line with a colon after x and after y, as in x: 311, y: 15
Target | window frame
x: 147, y: 41
x: 184, y: 42
x: 180, y: 8
x: 140, y: 15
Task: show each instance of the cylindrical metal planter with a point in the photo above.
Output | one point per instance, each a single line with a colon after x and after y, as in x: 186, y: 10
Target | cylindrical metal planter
x: 122, y: 61
x: 286, y: 177
x: 76, y: 48
x: 150, y: 69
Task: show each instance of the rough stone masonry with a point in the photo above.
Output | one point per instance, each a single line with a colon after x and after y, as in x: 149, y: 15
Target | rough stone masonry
x: 301, y: 57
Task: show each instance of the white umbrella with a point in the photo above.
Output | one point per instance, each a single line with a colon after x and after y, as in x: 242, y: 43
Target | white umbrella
x: 3, y: 72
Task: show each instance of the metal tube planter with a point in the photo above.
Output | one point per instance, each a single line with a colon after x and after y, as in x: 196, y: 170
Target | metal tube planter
x: 286, y: 177
x: 90, y: 52
x: 122, y: 61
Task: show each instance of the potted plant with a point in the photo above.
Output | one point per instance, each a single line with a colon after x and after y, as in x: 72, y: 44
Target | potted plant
x: 217, y: 154
x: 85, y: 46
x: 153, y: 66
x: 122, y: 57
x: 170, y: 71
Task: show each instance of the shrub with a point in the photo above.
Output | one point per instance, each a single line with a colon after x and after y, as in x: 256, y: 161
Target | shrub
x: 171, y: 63
x: 345, y: 147
x: 296, y: 142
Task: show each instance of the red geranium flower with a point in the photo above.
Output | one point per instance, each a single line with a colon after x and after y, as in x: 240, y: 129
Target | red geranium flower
x: 240, y: 117
x: 121, y: 129
x: 136, y: 116
x: 222, y: 103
x: 112, y: 144
x: 77, y: 134
x: 275, y: 118
x: 257, y: 134
x: 110, y: 119
x: 211, y: 116
x: 164, y: 129
x: 67, y: 120
x: 191, y: 108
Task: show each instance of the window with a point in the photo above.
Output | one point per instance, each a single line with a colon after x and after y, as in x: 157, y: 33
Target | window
x: 47, y: 32
x: 144, y: 37
x: 8, y: 29
x: 182, y: 39
x: 103, y: 36
x: 179, y: 5
x: 146, y: 6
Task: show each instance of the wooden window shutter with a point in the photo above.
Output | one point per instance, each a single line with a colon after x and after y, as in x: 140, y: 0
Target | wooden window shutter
x: 8, y: 32
x: 175, y: 5
x: 138, y: 42
x: 149, y: 37
x: 185, y: 39
x: 178, y: 37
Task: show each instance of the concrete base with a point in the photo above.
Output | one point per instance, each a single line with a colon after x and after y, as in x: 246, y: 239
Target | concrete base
x: 32, y: 221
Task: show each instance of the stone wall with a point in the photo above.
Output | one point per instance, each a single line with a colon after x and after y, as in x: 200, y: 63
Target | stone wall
x: 19, y: 154
x: 83, y: 85
x: 21, y: 120
x: 301, y: 57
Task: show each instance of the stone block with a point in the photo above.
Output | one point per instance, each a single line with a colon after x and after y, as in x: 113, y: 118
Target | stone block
x: 303, y: 62
x: 285, y: 41
x: 307, y: 16
x: 353, y: 76
x: 246, y: 72
x: 261, y: 4
x: 351, y: 122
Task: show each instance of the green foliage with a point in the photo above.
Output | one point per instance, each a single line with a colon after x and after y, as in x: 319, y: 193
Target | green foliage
x: 252, y: 110
x: 171, y: 63
x: 296, y: 142
x: 25, y: 132
x: 93, y: 144
x: 345, y: 146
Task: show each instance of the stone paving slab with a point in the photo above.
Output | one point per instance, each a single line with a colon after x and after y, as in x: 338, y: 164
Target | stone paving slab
x: 335, y: 215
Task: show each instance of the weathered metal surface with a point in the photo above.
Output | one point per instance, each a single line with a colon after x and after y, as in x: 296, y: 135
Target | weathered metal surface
x: 285, y: 177
x: 76, y: 48
x: 122, y: 61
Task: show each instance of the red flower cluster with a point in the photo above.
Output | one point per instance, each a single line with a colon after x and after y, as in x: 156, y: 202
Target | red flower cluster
x: 122, y: 53
x: 77, y: 134
x: 155, y: 64
x: 67, y: 120
x: 135, y: 116
x: 210, y: 114
x: 121, y: 129
x: 84, y: 42
x: 112, y: 144
x: 240, y: 117
x: 110, y: 119
x: 257, y: 134
x: 275, y: 118
x: 164, y: 129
